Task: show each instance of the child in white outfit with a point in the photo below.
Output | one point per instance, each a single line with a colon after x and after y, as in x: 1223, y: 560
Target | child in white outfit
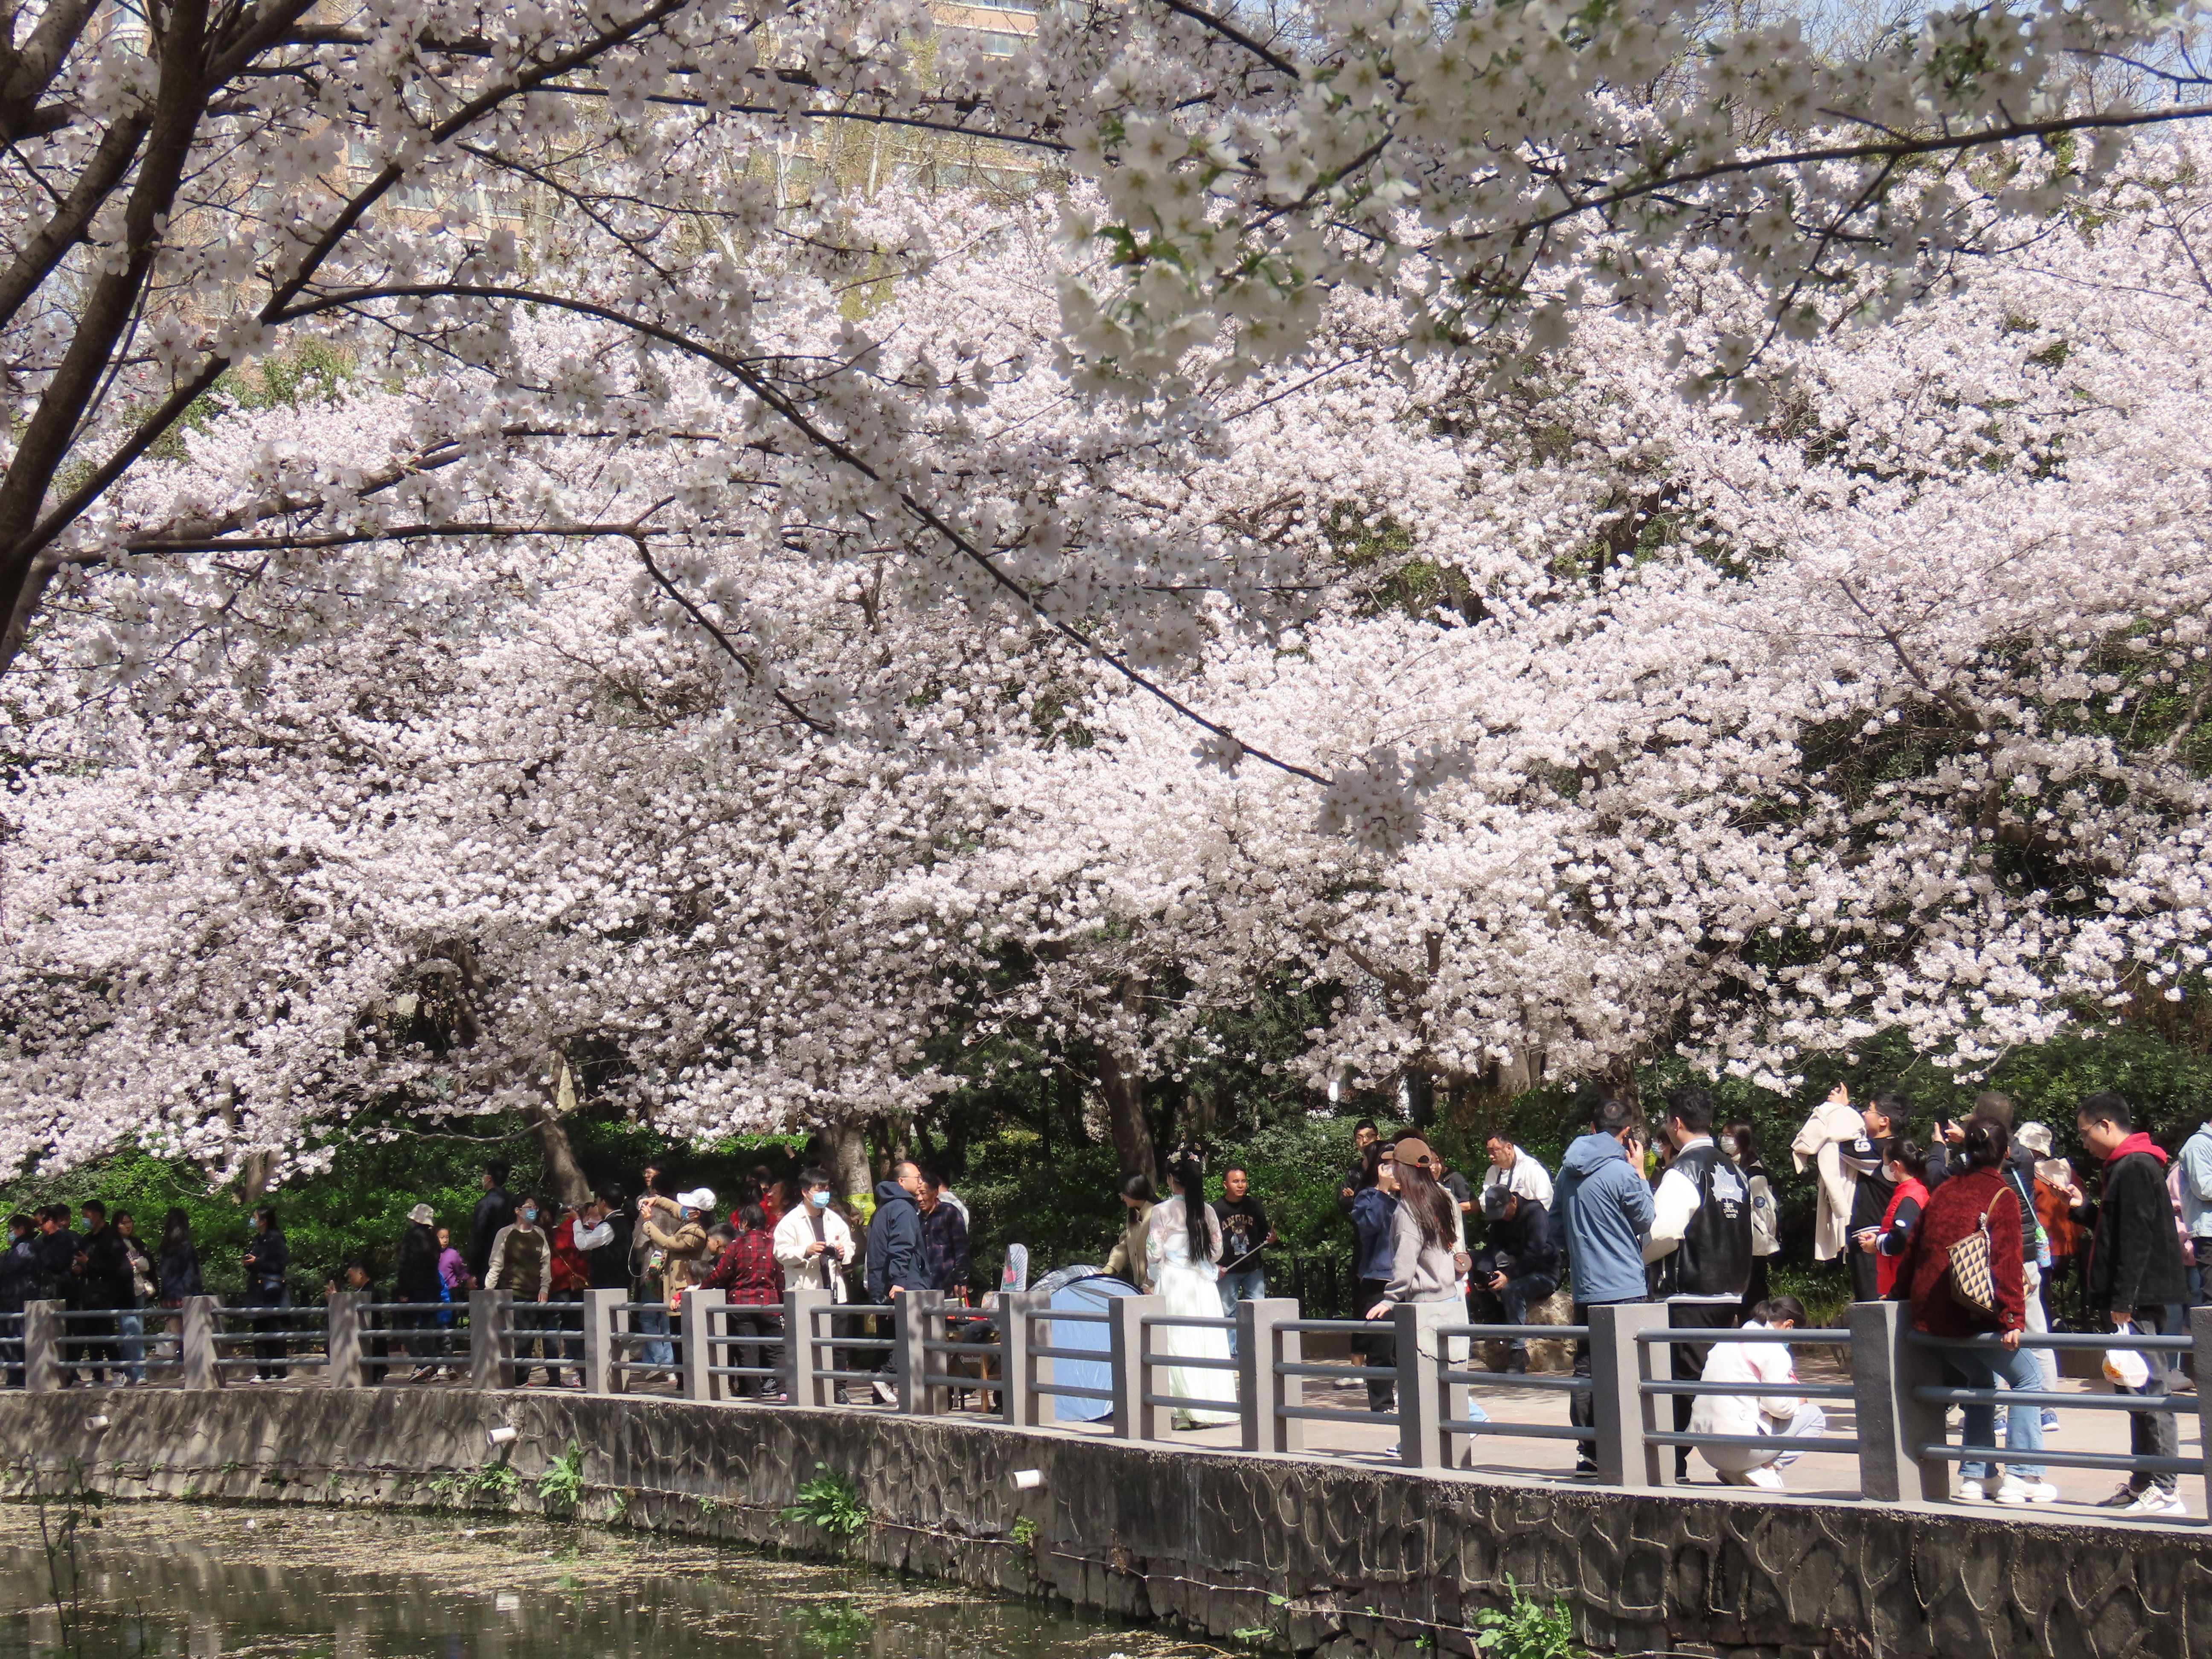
x: 1765, y: 1408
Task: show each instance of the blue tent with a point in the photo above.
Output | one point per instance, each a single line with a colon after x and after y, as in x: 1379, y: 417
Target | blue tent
x: 1082, y: 1290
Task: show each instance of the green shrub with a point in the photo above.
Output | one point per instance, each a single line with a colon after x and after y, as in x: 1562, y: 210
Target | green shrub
x: 829, y: 1503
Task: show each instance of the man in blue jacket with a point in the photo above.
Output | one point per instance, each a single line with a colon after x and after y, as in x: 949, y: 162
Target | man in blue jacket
x: 1605, y: 1211
x: 896, y: 1266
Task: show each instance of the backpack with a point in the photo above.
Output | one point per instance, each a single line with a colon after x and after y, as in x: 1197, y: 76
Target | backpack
x: 1766, y: 1231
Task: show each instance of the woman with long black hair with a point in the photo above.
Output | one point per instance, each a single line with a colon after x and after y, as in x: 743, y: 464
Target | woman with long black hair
x: 1183, y: 1248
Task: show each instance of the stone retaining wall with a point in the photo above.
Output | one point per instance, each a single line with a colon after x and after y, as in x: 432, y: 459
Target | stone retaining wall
x: 1335, y: 1558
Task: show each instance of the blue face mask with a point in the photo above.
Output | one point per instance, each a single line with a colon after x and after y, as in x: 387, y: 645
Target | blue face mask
x: 529, y: 1215
x: 819, y: 1200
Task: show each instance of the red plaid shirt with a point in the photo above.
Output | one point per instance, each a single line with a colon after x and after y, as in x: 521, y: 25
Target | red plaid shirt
x: 746, y: 1270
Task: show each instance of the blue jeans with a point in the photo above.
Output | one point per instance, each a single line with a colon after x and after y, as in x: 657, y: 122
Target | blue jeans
x: 1983, y: 1368
x: 1250, y: 1285
x: 134, y: 1345
x: 654, y: 1322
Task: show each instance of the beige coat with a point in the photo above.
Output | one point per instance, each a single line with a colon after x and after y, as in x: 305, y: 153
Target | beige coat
x: 1128, y: 1257
x: 683, y: 1247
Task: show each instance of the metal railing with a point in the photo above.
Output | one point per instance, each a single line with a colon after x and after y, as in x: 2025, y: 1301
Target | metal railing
x: 934, y: 1356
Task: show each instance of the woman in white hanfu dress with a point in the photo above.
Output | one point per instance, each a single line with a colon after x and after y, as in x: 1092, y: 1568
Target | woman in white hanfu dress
x: 1183, y: 1246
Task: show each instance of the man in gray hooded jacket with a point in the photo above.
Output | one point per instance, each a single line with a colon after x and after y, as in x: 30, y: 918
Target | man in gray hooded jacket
x: 1605, y: 1211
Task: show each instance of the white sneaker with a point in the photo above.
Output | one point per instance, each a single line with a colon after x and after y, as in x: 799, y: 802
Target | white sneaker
x: 887, y: 1394
x: 2156, y: 1500
x: 1764, y: 1478
x: 1969, y: 1492
x: 2015, y: 1491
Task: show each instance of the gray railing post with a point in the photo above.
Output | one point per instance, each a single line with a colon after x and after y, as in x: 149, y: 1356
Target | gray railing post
x: 1885, y: 1450
x: 801, y: 1386
x: 1019, y: 1314
x: 2200, y: 1347
x: 917, y: 1317
x: 491, y: 1339
x: 1913, y: 1422
x: 599, y: 1315
x: 1132, y: 1377
x: 702, y: 1314
x: 42, y: 1347
x: 1262, y: 1390
x: 341, y: 1367
x: 196, y: 1348
x: 1618, y: 1363
x: 1421, y: 1389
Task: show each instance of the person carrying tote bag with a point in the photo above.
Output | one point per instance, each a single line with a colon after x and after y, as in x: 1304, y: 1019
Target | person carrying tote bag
x: 1961, y: 1272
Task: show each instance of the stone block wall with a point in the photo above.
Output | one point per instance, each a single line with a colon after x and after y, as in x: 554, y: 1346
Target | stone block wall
x: 1337, y: 1559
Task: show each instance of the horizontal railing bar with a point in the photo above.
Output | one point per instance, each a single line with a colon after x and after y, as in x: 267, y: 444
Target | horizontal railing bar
x: 2063, y: 1460
x: 2095, y: 1402
x: 1517, y: 1333
x: 1189, y: 1322
x: 1069, y: 1391
x: 430, y: 1307
x: 1190, y: 1361
x: 1707, y: 1338
x: 744, y: 1371
x: 1350, y: 1373
x: 1335, y: 1414
x: 1779, y: 1443
x: 1093, y: 1355
x: 1516, y: 1431
x: 854, y: 1309
x: 980, y: 1350
x: 1372, y: 1326
x: 1733, y: 1391
x: 1519, y: 1380
x: 1073, y: 1317
x: 2176, y: 1344
x: 856, y: 1376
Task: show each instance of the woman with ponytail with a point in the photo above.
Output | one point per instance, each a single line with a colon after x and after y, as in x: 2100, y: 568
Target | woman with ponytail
x: 1183, y: 1250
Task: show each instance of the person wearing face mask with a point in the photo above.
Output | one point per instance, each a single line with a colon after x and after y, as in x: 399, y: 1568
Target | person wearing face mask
x: 521, y: 1261
x: 812, y: 1243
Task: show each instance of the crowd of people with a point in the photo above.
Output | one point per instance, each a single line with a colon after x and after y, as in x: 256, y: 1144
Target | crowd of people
x: 1684, y: 1212
x: 1679, y: 1210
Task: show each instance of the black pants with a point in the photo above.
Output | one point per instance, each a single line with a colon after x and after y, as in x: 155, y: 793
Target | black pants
x: 270, y: 1348
x: 1865, y: 1280
x: 2152, y: 1434
x: 1689, y: 1360
x: 1582, y: 1404
x: 98, y: 1342
x: 1757, y: 1292
x: 1380, y: 1349
x: 754, y: 1321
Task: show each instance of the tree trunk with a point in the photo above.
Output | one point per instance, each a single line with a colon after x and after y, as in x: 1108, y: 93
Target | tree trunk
x: 565, y: 1176
x: 844, y: 1157
x: 1123, y: 1090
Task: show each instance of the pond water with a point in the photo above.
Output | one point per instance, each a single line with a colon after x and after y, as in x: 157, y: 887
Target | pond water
x: 178, y: 1579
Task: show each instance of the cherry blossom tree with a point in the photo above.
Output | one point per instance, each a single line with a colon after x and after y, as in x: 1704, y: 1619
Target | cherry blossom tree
x: 192, y: 187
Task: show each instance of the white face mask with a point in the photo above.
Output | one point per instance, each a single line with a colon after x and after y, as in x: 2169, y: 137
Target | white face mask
x: 1727, y: 1145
